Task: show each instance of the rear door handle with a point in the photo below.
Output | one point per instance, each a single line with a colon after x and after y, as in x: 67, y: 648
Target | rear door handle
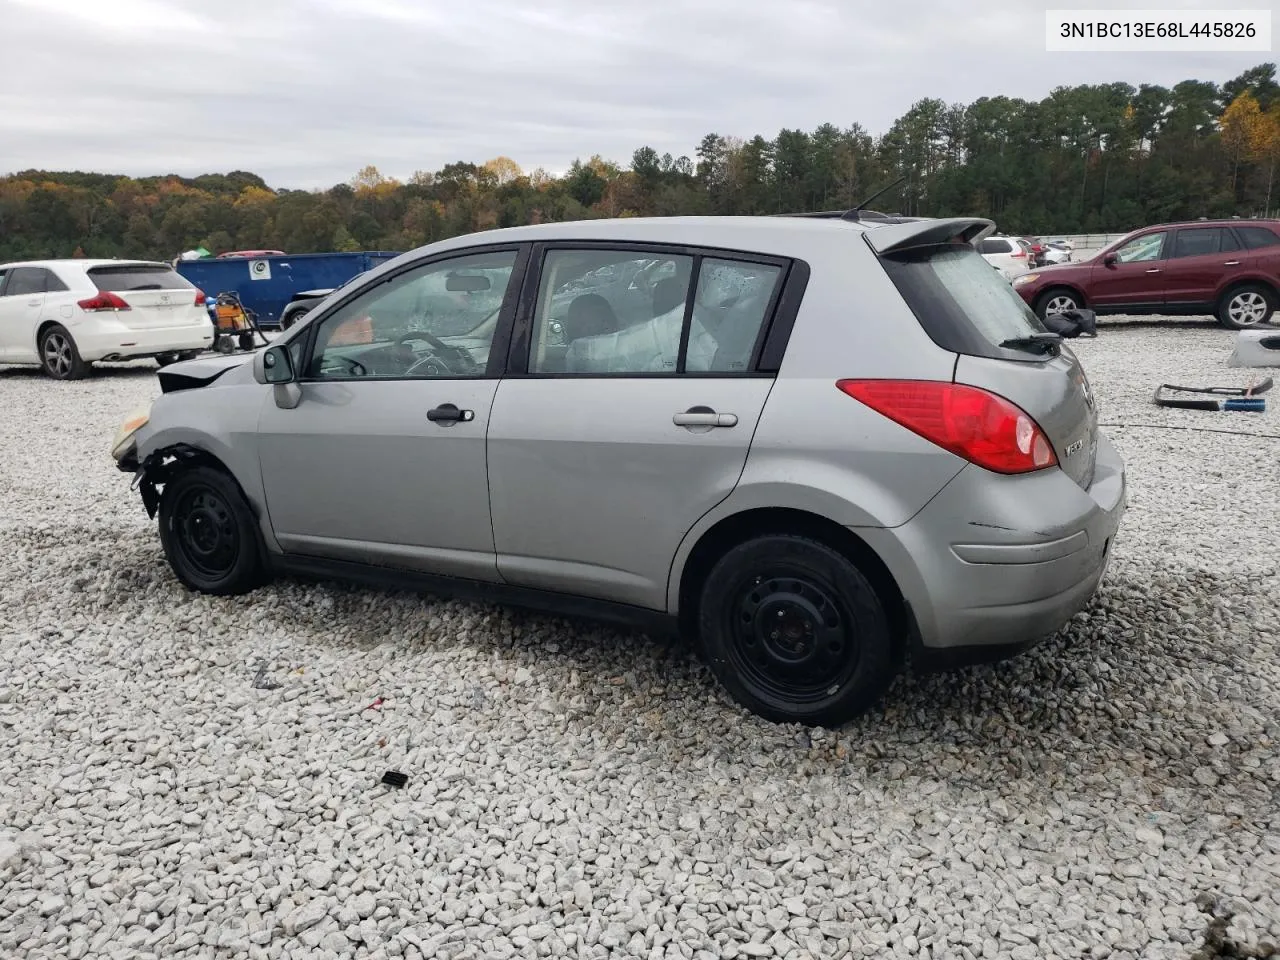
x: 704, y: 417
x: 1232, y: 263
x: 33, y: 303
x: 449, y: 413
x: 1154, y: 270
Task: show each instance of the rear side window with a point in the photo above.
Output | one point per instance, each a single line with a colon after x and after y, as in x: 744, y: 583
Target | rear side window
x: 138, y: 276
x: 1202, y: 241
x: 991, y: 245
x: 25, y: 281
x: 964, y: 305
x: 1255, y: 238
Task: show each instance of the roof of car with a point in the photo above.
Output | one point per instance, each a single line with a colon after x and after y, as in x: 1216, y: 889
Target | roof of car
x: 1214, y: 222
x: 763, y: 233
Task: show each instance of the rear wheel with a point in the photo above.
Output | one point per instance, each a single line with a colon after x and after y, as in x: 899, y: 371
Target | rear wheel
x: 165, y: 359
x: 1058, y: 300
x: 290, y: 317
x: 1246, y: 307
x: 59, y: 357
x: 795, y: 632
x: 209, y: 533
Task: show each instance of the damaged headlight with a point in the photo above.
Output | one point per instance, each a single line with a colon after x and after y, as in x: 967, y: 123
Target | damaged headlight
x: 124, y: 438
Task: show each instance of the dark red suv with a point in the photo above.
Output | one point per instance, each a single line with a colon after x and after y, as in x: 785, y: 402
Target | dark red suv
x: 1225, y: 268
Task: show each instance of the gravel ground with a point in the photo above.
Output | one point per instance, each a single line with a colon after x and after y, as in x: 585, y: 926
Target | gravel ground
x: 184, y: 776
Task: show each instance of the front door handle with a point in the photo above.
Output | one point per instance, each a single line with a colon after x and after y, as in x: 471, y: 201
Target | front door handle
x: 449, y: 413
x: 1154, y: 270
x: 1232, y: 263
x: 704, y: 417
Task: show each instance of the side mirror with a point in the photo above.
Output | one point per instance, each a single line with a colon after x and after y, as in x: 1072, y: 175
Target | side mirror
x: 277, y: 365
x: 1110, y: 260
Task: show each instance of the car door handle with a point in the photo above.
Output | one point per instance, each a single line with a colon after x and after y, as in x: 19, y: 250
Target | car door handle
x: 33, y: 303
x: 702, y: 417
x: 448, y: 413
x: 1154, y: 270
x: 1232, y: 263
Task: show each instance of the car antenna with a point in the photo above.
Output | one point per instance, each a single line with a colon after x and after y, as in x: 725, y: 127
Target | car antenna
x: 854, y: 214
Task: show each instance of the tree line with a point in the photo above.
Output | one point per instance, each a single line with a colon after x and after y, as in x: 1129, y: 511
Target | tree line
x: 1090, y: 158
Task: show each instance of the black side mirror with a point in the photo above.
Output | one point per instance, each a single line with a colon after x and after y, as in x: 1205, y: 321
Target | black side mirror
x: 1110, y: 260
x: 277, y: 364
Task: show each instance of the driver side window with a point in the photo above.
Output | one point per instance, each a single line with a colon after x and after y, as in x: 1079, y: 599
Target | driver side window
x: 435, y: 321
x: 1142, y: 249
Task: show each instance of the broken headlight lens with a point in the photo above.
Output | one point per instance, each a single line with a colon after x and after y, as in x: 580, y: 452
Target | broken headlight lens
x: 134, y: 422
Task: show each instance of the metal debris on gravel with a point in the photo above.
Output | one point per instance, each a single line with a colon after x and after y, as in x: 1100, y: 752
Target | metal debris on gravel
x: 575, y: 791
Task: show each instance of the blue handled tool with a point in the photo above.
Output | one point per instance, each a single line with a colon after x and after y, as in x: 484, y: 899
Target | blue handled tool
x: 1237, y: 398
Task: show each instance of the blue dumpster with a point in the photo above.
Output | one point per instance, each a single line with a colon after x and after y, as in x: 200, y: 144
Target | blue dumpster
x: 267, y: 285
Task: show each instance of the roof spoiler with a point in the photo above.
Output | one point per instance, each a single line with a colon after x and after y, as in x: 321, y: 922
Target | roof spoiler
x: 897, y: 236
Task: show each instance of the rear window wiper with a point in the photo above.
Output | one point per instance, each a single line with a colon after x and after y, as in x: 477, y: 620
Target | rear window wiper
x: 1042, y: 342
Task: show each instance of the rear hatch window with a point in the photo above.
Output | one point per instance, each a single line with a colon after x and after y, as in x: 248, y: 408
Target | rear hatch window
x: 138, y: 276
x: 962, y: 302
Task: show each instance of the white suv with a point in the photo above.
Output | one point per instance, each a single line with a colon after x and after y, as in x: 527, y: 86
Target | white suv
x: 63, y: 315
x: 1010, y: 255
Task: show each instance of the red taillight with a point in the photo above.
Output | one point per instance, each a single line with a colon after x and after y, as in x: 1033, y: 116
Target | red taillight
x: 981, y: 427
x: 106, y: 300
x: 1020, y: 255
x: 200, y: 298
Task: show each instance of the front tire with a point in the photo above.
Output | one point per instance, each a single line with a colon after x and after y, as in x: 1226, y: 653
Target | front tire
x: 1246, y: 307
x: 59, y: 357
x: 795, y: 632
x: 1058, y: 300
x: 291, y: 317
x: 209, y: 534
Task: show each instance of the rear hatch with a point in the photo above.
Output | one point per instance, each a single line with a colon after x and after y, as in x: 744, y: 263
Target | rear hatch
x: 156, y: 294
x: 971, y: 310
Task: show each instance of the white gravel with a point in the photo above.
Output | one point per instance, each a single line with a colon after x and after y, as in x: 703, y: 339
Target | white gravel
x: 579, y: 792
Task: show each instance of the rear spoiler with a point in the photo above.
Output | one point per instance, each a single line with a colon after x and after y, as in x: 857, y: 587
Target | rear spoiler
x: 898, y: 236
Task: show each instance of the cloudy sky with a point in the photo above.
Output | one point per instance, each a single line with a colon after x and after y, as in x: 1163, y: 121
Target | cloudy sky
x: 305, y: 92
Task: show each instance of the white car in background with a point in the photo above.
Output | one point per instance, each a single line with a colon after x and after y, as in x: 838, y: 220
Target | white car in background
x: 63, y: 315
x: 1010, y: 255
x: 1058, y: 251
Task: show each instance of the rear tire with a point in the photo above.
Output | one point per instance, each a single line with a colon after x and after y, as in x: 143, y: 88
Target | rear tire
x: 1246, y: 307
x: 209, y: 533
x: 1058, y: 300
x: 165, y: 359
x: 290, y: 317
x: 59, y: 357
x: 795, y: 632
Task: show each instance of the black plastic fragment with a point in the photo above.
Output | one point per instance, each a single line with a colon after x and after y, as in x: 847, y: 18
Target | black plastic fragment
x: 394, y: 778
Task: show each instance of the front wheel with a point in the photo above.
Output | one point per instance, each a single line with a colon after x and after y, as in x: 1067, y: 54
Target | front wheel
x: 209, y: 533
x: 291, y: 317
x: 795, y: 632
x: 1246, y: 307
x: 1058, y: 301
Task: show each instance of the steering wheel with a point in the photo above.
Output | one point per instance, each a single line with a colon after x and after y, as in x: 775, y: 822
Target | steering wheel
x: 442, y: 350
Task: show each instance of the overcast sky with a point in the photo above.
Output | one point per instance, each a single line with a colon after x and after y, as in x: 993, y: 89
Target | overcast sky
x: 305, y: 92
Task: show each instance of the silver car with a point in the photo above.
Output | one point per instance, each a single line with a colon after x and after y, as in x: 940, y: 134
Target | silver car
x: 826, y: 447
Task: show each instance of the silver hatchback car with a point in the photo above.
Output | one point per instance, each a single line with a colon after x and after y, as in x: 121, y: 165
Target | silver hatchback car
x: 822, y: 448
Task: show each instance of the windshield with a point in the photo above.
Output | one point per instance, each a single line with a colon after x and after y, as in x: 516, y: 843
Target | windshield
x: 962, y: 303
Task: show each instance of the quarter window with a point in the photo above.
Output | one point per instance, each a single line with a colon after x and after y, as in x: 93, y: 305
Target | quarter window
x: 730, y: 306
x: 1256, y: 238
x: 436, y: 321
x: 1141, y: 249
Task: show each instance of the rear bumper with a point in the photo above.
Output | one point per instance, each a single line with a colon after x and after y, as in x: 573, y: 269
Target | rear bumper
x: 103, y: 339
x: 995, y: 563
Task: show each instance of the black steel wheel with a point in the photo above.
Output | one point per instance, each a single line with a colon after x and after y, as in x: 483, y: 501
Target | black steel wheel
x: 59, y: 357
x: 795, y: 632
x: 209, y: 534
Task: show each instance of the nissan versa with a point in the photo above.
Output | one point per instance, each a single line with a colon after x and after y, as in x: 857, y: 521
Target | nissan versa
x: 821, y: 446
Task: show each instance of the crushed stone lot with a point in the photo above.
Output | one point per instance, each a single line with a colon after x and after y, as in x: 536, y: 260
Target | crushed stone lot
x: 185, y: 776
